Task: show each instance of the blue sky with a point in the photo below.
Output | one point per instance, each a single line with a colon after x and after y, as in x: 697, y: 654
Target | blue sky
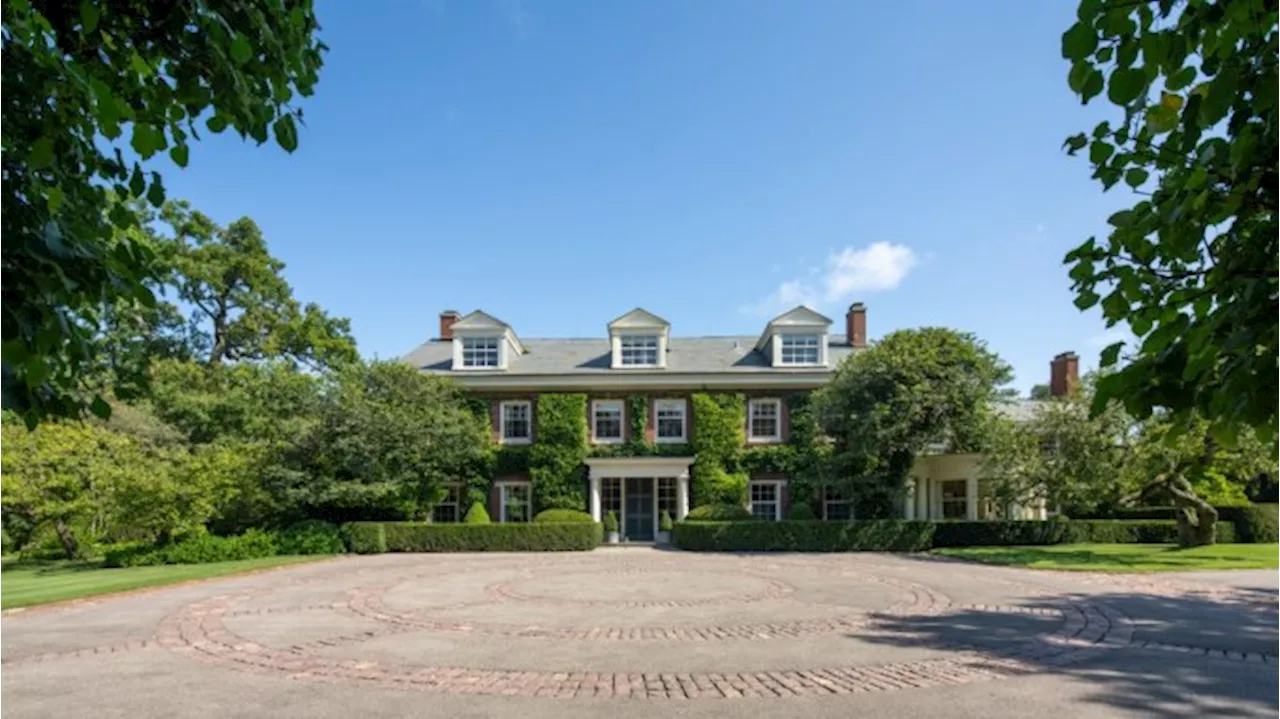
x: 558, y: 163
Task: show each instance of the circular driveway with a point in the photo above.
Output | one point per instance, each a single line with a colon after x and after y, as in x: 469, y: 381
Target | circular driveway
x: 626, y: 628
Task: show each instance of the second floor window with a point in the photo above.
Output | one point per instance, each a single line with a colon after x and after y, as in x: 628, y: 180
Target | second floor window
x: 516, y: 421
x: 480, y: 351
x: 669, y: 416
x: 606, y: 421
x: 638, y: 350
x: 801, y: 349
x: 764, y: 422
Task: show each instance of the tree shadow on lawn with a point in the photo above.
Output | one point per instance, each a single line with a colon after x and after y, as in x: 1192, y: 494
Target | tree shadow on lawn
x: 50, y: 567
x: 1161, y: 682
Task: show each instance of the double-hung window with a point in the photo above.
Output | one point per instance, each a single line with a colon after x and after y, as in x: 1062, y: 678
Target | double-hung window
x: 766, y: 499
x: 480, y: 352
x: 955, y: 499
x: 638, y: 350
x: 516, y: 420
x: 801, y: 349
x: 834, y: 506
x: 606, y: 421
x: 670, y: 418
x: 764, y: 420
x: 514, y: 502
x: 446, y: 510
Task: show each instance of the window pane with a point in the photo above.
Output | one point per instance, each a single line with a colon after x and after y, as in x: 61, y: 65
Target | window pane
x: 611, y: 498
x: 515, y: 502
x: 607, y: 422
x: 667, y: 496
x: 480, y: 352
x: 764, y: 499
x: 801, y: 349
x: 638, y: 349
x: 764, y: 419
x: 516, y: 420
x: 446, y: 510
x: 955, y: 502
x: 670, y: 415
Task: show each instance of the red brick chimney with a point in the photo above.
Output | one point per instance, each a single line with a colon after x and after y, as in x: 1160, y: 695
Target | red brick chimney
x: 856, y: 325
x: 1064, y: 374
x: 447, y: 318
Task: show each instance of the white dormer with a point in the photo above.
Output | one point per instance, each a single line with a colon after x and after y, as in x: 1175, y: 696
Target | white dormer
x: 797, y: 338
x: 638, y: 340
x: 483, y: 342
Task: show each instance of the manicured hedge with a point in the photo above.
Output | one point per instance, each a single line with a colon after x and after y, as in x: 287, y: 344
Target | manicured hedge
x: 310, y: 536
x: 376, y: 537
x: 904, y: 535
x: 719, y: 513
x: 1255, y: 523
x: 562, y: 515
x: 890, y: 535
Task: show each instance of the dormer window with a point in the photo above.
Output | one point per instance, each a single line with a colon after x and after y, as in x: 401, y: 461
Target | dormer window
x: 638, y: 350
x: 801, y: 350
x: 479, y: 352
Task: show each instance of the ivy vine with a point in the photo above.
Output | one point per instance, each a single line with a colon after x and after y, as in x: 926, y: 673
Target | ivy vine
x: 556, y: 457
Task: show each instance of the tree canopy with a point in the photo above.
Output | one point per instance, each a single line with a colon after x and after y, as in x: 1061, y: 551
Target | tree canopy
x: 1191, y: 267
x: 77, y: 77
x: 913, y: 389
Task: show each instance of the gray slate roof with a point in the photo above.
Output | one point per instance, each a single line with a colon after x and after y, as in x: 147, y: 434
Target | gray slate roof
x: 1018, y: 410
x: 733, y: 354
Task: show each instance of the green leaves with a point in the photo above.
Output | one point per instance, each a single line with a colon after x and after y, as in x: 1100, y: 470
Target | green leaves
x: 286, y: 133
x: 89, y: 14
x: 1126, y: 85
x: 1135, y: 176
x: 241, y: 50
x: 41, y: 155
x: 147, y: 140
x: 1079, y: 42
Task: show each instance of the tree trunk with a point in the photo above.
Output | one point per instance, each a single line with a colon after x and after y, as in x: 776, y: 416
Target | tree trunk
x: 67, y: 538
x: 1196, y: 517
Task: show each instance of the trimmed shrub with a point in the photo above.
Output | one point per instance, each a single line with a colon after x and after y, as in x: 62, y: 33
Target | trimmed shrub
x: 201, y: 548
x: 562, y: 515
x: 310, y: 536
x: 899, y: 535
x: 365, y: 537
x: 886, y: 535
x: 611, y: 523
x: 1256, y: 523
x: 373, y: 537
x: 719, y: 513
x: 477, y: 514
x: 801, y: 512
x: 664, y: 521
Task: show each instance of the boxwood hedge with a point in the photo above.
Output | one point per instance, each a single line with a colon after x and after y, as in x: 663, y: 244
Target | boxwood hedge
x: 377, y: 537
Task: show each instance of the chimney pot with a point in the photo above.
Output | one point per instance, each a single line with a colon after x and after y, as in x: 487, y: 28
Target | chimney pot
x: 447, y: 318
x: 856, y: 325
x: 1064, y: 374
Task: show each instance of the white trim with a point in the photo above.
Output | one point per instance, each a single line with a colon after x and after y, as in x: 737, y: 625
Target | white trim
x: 781, y: 378
x: 764, y: 439
x: 502, y: 422
x: 780, y: 339
x: 460, y: 352
x: 660, y: 344
x: 622, y: 467
x: 502, y: 499
x: 617, y: 404
x: 683, y: 404
x: 778, y: 485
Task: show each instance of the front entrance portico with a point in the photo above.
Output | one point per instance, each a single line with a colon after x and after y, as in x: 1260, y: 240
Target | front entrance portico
x: 638, y: 490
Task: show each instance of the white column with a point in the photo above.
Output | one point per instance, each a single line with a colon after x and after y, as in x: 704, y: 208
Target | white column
x: 909, y: 501
x: 922, y: 497
x: 682, y: 496
x: 595, y: 499
x: 971, y: 497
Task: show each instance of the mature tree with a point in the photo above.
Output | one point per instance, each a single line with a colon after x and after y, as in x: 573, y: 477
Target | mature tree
x: 1064, y: 456
x: 1040, y: 391
x: 388, y: 439
x: 912, y: 390
x: 242, y: 307
x: 76, y: 77
x: 1191, y: 267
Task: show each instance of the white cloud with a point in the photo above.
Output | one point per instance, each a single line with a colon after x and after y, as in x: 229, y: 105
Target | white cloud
x: 878, y: 267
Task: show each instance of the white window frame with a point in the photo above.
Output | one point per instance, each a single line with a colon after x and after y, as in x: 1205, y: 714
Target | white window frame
x: 455, y: 489
x: 778, y: 485
x: 503, y: 407
x: 964, y: 500
x: 670, y: 404
x: 503, y: 488
x: 827, y: 502
x: 612, y: 404
x: 646, y: 338
x: 752, y: 437
x: 816, y: 346
x: 497, y: 341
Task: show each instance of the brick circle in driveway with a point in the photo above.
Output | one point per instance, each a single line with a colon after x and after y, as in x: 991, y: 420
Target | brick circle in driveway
x: 680, y: 591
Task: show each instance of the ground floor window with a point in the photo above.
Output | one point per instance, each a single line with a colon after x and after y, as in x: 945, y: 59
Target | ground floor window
x: 765, y: 499
x: 447, y: 510
x: 834, y: 506
x: 667, y: 497
x: 611, y: 498
x: 514, y: 502
x: 955, y: 499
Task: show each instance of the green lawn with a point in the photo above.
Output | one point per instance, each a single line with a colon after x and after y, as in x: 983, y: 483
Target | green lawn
x: 1124, y: 557
x: 23, y: 585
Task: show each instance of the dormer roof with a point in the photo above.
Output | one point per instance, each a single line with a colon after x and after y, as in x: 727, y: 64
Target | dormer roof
x: 799, y: 317
x: 639, y: 319
x: 479, y: 322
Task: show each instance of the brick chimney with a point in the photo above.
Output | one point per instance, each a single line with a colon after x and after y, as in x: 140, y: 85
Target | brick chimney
x: 1064, y: 374
x: 447, y: 318
x: 856, y: 325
